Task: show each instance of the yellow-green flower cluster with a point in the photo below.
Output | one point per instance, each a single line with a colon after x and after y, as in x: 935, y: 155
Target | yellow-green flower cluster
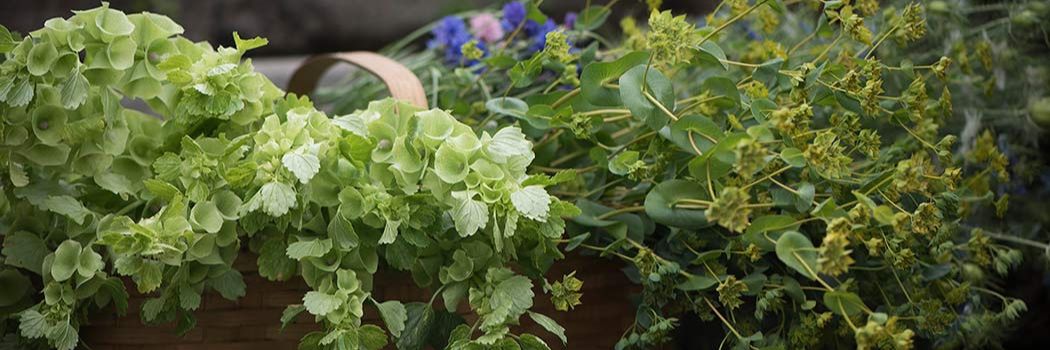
x: 672, y: 39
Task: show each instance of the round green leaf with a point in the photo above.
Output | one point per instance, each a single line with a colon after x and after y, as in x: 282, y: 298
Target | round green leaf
x: 797, y: 252
x: 639, y: 98
x: 659, y: 204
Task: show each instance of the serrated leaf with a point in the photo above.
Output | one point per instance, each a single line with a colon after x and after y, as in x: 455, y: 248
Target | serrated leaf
x: 25, y: 250
x: 533, y: 202
x: 290, y: 313
x: 550, y: 325
x: 303, y: 162
x: 274, y: 198
x: 74, y: 91
x: 394, y: 315
x: 67, y: 206
x: 509, y: 142
x: 320, y: 304
x: 230, y: 285
x: 309, y: 248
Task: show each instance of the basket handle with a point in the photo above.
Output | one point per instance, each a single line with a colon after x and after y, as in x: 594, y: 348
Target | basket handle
x: 402, y: 83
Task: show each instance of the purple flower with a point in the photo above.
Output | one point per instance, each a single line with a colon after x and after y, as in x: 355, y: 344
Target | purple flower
x: 450, y: 34
x: 570, y: 20
x: 537, y: 34
x: 486, y: 27
x: 513, y: 14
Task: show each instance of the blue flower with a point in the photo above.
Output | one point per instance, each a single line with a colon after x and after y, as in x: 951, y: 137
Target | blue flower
x: 537, y: 34
x: 513, y: 14
x: 450, y: 34
x: 570, y: 20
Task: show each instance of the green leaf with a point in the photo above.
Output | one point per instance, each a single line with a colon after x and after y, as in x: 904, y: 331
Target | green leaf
x: 243, y: 45
x: 320, y: 304
x: 21, y: 93
x: 711, y: 53
x: 532, y: 342
x: 33, y: 324
x: 532, y: 201
x: 508, y: 106
x: 418, y: 326
x: 24, y: 250
x: 843, y: 303
x: 469, y: 216
x: 303, y: 162
x: 67, y: 206
x: 394, y: 315
x: 797, y: 252
x: 636, y: 95
x: 274, y: 198
x: 229, y: 284
x: 315, y: 248
x: 592, y: 17
x: 509, y: 142
x: 63, y: 336
x: 793, y: 157
x: 114, y: 182
x: 659, y: 204
x: 372, y: 337
x: 625, y: 163
x: 290, y: 313
x: 274, y: 263
x: 74, y: 90
x: 13, y: 287
x: 550, y: 325
x: 723, y: 87
x: 67, y: 257
x: 596, y: 75
x: 697, y: 282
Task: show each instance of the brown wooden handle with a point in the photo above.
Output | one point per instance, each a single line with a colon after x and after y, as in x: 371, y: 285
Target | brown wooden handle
x: 402, y: 83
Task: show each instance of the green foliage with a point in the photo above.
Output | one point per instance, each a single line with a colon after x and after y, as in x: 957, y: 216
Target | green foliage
x: 92, y: 191
x: 793, y: 163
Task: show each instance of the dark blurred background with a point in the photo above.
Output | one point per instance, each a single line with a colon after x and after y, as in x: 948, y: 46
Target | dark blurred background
x: 301, y: 26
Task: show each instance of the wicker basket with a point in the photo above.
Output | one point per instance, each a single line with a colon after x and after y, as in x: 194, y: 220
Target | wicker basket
x: 253, y: 322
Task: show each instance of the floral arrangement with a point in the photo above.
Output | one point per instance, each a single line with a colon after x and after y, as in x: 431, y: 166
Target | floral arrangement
x: 788, y: 171
x: 93, y: 191
x: 791, y: 172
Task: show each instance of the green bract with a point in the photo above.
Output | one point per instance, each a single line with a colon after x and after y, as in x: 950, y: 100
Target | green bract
x: 92, y: 191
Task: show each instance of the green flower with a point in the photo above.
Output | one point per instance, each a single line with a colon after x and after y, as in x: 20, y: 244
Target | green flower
x: 471, y: 51
x: 750, y: 158
x: 926, y: 219
x: 827, y: 156
x: 729, y: 292
x: 565, y: 294
x: 730, y: 209
x: 672, y: 39
x: 834, y: 253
